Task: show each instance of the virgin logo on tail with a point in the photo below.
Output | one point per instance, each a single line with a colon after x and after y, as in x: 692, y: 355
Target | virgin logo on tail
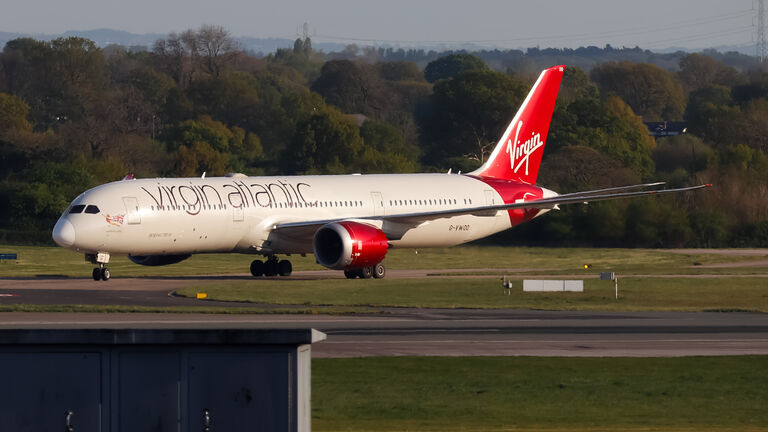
x: 521, y: 153
x: 524, y: 149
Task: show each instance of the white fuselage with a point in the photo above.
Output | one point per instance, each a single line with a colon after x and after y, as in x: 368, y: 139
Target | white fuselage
x: 238, y: 213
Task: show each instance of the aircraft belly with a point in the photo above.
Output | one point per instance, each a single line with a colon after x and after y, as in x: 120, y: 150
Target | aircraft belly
x: 292, y: 247
x: 452, y: 231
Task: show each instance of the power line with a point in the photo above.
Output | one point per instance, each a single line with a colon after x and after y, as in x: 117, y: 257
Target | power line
x: 697, y: 37
x: 761, y: 45
x: 552, y: 38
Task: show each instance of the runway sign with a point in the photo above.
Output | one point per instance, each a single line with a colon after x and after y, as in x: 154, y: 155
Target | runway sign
x: 540, y: 285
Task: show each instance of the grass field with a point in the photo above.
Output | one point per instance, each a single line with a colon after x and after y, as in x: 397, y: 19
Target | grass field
x: 534, y: 393
x: 740, y: 292
x: 684, y: 294
x: 34, y: 261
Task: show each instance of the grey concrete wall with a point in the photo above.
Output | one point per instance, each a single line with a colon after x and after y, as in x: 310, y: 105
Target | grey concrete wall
x: 156, y: 380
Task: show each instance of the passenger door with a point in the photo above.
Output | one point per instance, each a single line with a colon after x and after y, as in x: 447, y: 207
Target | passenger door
x: 238, y: 214
x: 132, y: 214
x: 490, y: 197
x: 378, y: 204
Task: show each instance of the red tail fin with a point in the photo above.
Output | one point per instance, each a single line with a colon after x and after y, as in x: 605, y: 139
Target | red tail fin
x: 518, y: 154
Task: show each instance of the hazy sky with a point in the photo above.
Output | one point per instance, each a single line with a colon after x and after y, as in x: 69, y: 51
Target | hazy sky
x: 510, y: 23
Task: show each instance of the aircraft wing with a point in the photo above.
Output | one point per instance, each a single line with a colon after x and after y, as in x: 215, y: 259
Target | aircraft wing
x: 418, y: 218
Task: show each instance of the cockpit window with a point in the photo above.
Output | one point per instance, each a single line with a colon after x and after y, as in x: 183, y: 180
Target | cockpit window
x: 92, y: 209
x: 76, y: 209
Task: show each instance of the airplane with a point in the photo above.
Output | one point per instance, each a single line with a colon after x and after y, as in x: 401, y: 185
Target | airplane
x: 348, y: 222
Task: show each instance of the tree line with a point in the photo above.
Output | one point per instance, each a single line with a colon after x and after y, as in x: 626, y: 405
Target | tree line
x: 73, y: 116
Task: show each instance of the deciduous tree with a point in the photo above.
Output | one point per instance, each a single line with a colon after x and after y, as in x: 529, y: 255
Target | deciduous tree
x: 355, y: 88
x: 326, y: 142
x: 698, y: 71
x: 652, y: 92
x: 471, y: 112
x: 13, y: 114
x: 451, y: 66
x: 199, y: 158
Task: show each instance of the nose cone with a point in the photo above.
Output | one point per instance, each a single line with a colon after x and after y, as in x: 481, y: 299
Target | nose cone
x: 64, y: 233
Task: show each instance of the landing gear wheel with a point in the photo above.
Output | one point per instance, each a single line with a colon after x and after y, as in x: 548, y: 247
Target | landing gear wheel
x: 366, y: 272
x: 350, y: 274
x: 257, y: 268
x: 284, y: 268
x: 379, y: 271
x: 270, y: 267
x: 97, y: 274
x: 105, y: 274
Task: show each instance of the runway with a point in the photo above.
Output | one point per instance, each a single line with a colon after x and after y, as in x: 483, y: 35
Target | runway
x: 404, y: 331
x: 156, y: 291
x: 462, y: 332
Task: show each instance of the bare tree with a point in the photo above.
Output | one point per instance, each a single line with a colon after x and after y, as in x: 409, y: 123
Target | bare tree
x: 175, y: 58
x: 208, y: 49
x: 215, y: 48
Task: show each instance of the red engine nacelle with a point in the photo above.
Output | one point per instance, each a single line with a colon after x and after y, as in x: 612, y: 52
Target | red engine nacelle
x: 348, y: 245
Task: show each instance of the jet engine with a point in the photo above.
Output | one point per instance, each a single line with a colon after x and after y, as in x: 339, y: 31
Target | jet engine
x: 348, y: 245
x: 157, y: 260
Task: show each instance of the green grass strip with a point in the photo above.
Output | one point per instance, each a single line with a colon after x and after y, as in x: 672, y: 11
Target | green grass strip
x: 635, y: 294
x: 38, y: 260
x: 535, y: 393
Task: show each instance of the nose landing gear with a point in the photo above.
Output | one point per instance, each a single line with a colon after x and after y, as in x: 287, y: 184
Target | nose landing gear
x: 101, y: 272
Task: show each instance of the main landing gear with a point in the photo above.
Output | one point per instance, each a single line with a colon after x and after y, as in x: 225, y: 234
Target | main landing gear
x: 101, y: 272
x: 271, y: 267
x: 378, y: 271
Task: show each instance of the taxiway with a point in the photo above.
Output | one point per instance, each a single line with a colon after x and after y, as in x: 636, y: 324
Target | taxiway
x: 403, y: 331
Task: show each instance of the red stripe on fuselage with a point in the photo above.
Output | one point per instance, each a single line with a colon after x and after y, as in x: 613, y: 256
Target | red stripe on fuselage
x: 512, y: 192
